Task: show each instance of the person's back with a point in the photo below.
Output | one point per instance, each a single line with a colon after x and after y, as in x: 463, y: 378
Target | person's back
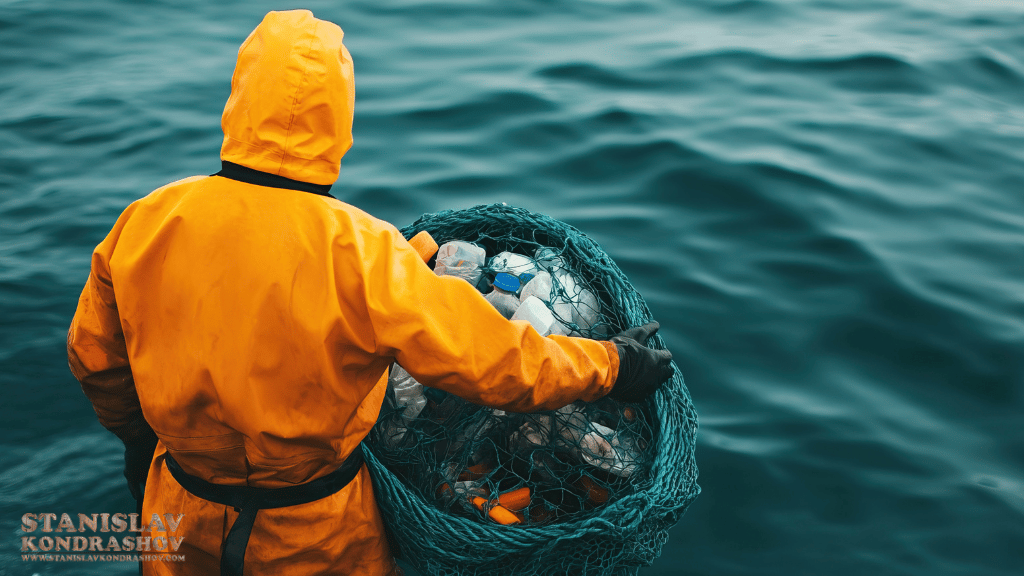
x: 251, y: 317
x: 248, y: 366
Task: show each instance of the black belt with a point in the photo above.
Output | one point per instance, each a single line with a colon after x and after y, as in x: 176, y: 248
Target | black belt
x: 249, y: 500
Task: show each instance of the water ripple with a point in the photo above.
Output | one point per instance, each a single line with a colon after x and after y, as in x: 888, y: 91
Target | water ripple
x: 819, y: 200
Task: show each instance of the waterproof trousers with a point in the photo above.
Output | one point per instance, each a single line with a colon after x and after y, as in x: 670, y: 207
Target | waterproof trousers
x: 340, y: 534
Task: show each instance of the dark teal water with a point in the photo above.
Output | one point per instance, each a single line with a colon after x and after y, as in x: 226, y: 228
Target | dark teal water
x: 822, y: 202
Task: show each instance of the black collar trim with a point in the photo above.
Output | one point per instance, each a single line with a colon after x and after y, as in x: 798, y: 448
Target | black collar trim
x: 250, y: 176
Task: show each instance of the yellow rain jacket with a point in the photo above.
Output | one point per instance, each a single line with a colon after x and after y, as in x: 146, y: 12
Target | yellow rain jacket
x: 253, y: 325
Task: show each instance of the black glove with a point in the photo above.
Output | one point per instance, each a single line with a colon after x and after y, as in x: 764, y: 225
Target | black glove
x: 641, y: 369
x: 139, y: 445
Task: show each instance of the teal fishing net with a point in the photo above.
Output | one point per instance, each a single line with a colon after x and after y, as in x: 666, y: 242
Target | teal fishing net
x: 591, y: 488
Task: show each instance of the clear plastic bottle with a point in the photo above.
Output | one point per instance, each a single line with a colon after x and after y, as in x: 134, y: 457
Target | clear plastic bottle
x: 594, y: 444
x: 535, y: 432
x: 514, y: 264
x: 460, y: 259
x: 548, y: 259
x: 503, y: 297
x: 408, y: 397
x: 581, y: 304
x: 570, y: 300
x: 408, y: 392
x: 609, y: 450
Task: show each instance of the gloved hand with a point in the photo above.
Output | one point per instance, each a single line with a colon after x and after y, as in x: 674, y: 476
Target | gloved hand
x: 139, y: 445
x: 641, y: 369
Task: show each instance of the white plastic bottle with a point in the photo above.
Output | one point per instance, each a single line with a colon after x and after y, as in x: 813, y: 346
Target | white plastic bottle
x: 582, y: 305
x: 539, y: 286
x: 561, y: 308
x: 536, y: 312
x: 503, y: 297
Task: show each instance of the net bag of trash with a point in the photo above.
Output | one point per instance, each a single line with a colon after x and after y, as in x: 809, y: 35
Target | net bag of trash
x: 590, y: 488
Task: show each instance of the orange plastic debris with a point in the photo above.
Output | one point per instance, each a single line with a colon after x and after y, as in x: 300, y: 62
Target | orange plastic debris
x: 499, y: 514
x: 516, y: 499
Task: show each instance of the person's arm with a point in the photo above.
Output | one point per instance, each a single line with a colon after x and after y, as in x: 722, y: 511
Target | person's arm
x: 98, y: 358
x: 446, y: 335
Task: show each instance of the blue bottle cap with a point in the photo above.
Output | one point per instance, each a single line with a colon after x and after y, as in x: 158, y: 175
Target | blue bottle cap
x: 506, y: 282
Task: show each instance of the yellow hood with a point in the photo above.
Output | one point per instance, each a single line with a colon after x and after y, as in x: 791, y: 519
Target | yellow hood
x: 292, y: 97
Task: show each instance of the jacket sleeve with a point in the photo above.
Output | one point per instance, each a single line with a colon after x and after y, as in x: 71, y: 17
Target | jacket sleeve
x: 447, y: 336
x: 97, y: 354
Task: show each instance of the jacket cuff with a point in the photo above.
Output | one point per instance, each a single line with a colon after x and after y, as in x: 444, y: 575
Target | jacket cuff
x: 614, y: 361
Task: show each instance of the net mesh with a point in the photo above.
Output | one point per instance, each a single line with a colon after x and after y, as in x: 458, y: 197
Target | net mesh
x: 591, y: 488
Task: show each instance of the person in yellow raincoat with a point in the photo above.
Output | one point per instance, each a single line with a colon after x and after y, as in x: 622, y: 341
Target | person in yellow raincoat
x: 247, y: 319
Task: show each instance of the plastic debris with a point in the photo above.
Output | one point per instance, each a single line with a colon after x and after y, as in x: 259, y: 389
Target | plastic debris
x: 573, y: 521
x: 408, y: 397
x: 514, y: 264
x: 534, y: 311
x: 520, y: 468
x: 539, y: 287
x: 548, y: 259
x: 581, y: 304
x: 461, y: 259
x: 408, y: 392
x: 503, y: 296
x: 594, y: 443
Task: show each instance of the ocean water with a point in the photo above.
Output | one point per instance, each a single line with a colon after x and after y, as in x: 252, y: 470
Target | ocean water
x: 822, y: 203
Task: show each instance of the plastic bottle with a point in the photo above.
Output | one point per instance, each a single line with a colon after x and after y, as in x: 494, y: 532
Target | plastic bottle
x: 538, y: 286
x: 408, y: 397
x: 547, y: 258
x: 607, y: 449
x: 408, y: 392
x: 533, y: 433
x: 460, y: 259
x: 536, y: 312
x: 594, y: 444
x: 514, y: 264
x: 550, y: 285
x: 503, y: 296
x: 570, y: 301
x: 543, y: 287
x: 582, y: 305
x: 560, y: 308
